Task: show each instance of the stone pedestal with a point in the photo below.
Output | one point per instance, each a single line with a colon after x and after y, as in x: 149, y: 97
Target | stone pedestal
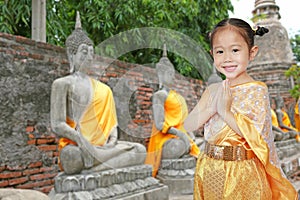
x: 178, y: 175
x: 131, y: 183
x: 289, y: 154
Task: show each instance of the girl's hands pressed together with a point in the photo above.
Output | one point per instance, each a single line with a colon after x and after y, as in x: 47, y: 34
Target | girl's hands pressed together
x: 224, y: 99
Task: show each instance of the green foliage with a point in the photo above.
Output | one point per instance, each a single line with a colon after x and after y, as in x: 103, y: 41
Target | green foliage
x: 15, y: 17
x: 294, y: 72
x: 102, y: 19
x: 295, y: 44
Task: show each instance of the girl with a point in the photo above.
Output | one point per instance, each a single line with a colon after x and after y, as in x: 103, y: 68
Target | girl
x: 238, y: 159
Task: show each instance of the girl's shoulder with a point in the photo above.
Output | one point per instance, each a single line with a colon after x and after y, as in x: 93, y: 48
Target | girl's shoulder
x: 250, y: 86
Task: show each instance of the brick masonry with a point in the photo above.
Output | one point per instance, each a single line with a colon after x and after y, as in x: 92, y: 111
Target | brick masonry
x: 28, y: 148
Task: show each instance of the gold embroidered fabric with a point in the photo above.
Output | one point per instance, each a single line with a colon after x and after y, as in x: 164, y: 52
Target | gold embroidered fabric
x: 230, y: 180
x: 258, y: 178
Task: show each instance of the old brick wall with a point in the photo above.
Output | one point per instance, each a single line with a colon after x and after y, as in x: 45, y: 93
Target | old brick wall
x: 28, y: 148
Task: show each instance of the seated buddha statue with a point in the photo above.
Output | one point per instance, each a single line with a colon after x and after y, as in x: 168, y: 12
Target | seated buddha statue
x: 83, y: 115
x: 283, y: 119
x: 169, y: 139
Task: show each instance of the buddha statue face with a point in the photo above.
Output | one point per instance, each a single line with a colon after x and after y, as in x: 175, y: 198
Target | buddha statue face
x: 166, y: 75
x: 279, y: 102
x: 83, y: 57
x: 165, y: 70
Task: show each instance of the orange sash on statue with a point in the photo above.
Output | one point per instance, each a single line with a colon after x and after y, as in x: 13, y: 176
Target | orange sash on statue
x: 175, y: 113
x: 297, y: 115
x: 99, y: 118
x: 286, y: 121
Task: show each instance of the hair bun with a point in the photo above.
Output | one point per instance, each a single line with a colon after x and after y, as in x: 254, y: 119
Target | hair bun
x: 261, y: 31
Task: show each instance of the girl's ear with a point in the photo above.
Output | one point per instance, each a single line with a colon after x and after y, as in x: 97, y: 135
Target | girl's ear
x: 253, y: 52
x: 211, y: 52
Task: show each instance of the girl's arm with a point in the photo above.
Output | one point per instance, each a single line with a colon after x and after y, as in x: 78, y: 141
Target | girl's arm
x: 204, y: 110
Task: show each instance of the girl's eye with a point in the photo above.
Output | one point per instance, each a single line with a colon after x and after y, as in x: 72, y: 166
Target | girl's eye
x: 219, y: 52
x: 235, y: 50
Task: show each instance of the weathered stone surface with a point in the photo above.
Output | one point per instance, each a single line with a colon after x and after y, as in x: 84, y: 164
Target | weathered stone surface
x: 273, y: 59
x: 178, y: 175
x: 20, y: 194
x: 127, y: 183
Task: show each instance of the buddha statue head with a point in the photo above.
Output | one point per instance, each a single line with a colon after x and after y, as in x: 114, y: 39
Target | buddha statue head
x: 80, y: 49
x: 165, y: 70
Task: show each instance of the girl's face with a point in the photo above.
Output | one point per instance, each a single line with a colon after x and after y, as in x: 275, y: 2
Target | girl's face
x: 231, y: 55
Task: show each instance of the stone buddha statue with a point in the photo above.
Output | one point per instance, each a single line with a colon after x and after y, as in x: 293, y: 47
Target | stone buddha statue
x: 169, y: 139
x: 83, y: 115
x: 283, y: 118
x: 279, y: 134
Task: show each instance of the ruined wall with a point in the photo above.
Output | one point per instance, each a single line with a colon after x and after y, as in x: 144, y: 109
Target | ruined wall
x: 28, y: 148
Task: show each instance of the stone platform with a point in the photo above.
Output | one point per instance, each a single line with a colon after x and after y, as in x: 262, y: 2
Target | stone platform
x: 289, y: 155
x: 178, y: 175
x: 131, y: 183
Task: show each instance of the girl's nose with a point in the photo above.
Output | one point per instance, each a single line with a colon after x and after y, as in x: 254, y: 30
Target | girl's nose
x: 227, y: 57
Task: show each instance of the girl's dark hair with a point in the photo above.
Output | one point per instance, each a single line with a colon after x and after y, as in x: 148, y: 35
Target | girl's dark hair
x: 242, y: 27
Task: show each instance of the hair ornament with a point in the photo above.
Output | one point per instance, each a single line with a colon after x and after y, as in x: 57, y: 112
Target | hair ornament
x: 260, y: 31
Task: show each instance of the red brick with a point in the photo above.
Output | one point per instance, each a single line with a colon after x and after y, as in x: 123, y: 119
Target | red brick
x: 146, y: 89
x: 64, y: 61
x: 15, y: 168
x: 36, y: 164
x: 55, y: 154
x: 42, y: 176
x: 17, y: 47
x: 46, y: 141
x: 16, y: 181
x: 35, y: 184
x: 111, y: 74
x: 43, y: 45
x: 134, y: 74
x: 45, y: 189
x: 46, y: 169
x: 30, y: 185
x: 7, y: 36
x: 48, y: 147
x: 12, y: 52
x: 2, y: 168
x: 10, y: 174
x: 59, y: 49
x: 31, y: 171
x: 31, y: 142
x: 36, y: 56
x: 3, y: 183
x: 24, y: 40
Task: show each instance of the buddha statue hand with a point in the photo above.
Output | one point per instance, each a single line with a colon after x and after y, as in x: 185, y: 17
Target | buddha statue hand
x: 181, y: 136
x: 192, y: 136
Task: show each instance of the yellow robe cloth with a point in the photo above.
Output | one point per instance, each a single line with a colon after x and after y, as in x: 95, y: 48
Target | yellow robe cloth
x: 286, y: 121
x: 258, y: 178
x: 297, y: 115
x: 175, y: 113
x: 274, y: 119
x: 98, y: 119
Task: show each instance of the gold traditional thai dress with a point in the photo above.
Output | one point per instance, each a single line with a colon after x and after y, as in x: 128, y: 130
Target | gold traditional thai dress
x: 175, y: 113
x: 257, y: 177
x: 99, y: 118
